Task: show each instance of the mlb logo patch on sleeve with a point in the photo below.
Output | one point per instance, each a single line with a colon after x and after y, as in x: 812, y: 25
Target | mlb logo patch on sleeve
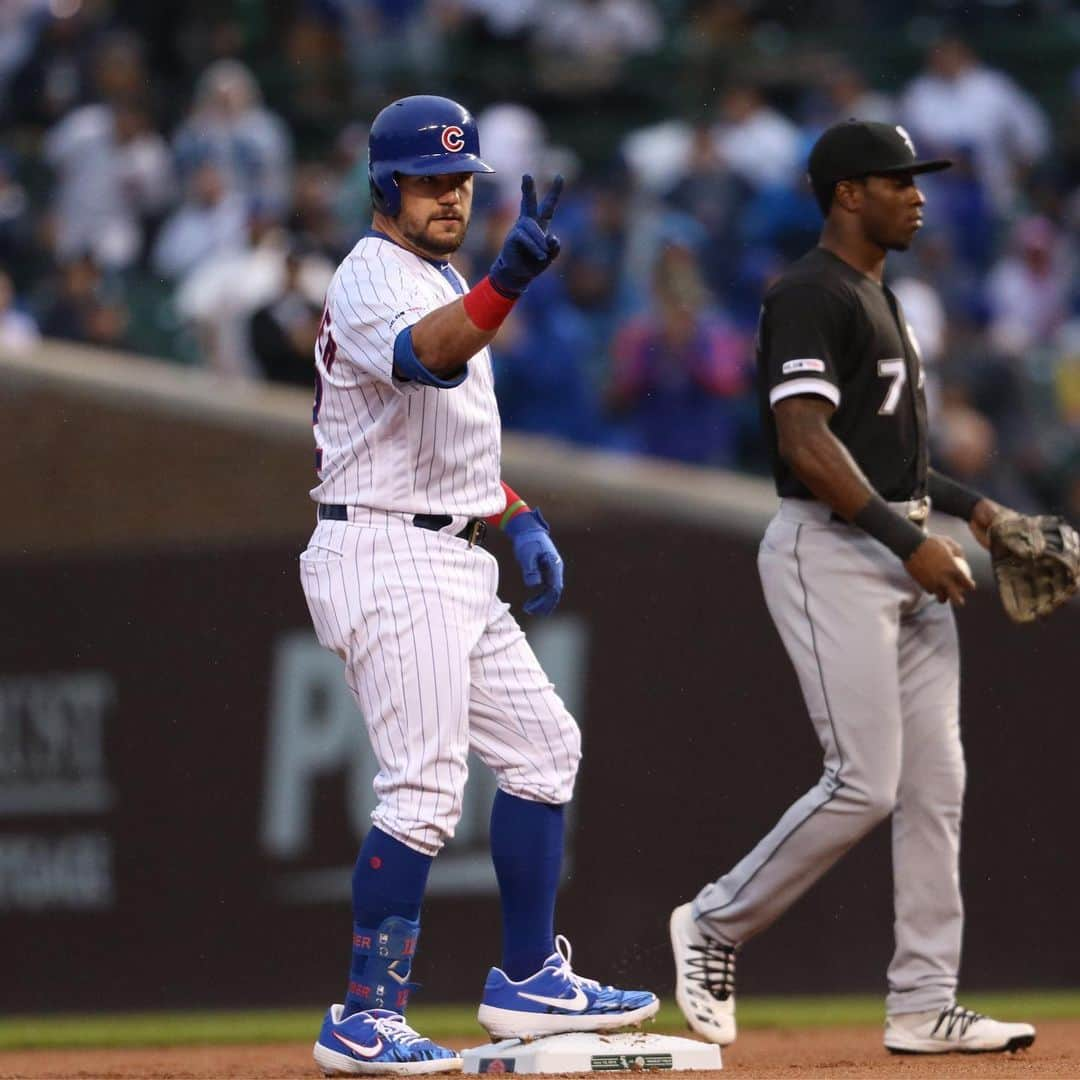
x: 791, y: 366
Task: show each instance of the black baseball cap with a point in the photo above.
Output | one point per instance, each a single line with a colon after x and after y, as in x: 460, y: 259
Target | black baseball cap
x: 858, y: 148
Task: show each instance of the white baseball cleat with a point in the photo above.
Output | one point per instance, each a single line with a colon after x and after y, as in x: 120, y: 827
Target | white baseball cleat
x: 704, y: 978
x: 953, y: 1030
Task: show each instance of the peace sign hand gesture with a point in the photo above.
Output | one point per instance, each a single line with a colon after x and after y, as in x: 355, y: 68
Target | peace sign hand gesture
x: 529, y: 248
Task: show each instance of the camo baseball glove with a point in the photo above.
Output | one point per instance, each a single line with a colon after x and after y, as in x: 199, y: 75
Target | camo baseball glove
x: 1036, y: 563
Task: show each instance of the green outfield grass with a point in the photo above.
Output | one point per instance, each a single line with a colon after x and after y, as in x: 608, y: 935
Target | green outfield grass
x: 459, y: 1021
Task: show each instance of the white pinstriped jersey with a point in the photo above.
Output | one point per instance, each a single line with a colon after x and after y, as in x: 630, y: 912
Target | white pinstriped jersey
x: 435, y: 661
x: 388, y: 444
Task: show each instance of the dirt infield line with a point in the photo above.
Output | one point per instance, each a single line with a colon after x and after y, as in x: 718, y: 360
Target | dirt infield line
x: 841, y: 1052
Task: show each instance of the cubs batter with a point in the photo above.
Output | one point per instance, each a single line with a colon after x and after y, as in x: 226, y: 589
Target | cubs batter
x: 400, y: 586
x: 850, y: 578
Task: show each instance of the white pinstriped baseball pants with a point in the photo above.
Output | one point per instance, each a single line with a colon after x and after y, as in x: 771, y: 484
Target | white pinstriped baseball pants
x: 438, y: 667
x: 878, y: 663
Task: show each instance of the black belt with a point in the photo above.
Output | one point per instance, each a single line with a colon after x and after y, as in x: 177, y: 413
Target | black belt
x: 475, y: 528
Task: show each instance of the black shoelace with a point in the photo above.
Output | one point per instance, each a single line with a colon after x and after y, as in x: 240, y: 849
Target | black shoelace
x: 714, y: 969
x: 954, y: 1018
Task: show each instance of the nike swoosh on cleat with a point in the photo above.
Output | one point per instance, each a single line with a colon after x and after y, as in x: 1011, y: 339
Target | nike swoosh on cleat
x: 363, y: 1051
x: 572, y: 1004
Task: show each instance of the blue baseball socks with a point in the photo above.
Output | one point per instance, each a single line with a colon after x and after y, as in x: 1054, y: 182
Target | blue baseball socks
x: 527, y: 850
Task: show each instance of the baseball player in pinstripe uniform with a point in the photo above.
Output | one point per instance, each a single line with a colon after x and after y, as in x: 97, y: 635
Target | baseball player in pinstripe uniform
x: 850, y: 577
x: 399, y: 585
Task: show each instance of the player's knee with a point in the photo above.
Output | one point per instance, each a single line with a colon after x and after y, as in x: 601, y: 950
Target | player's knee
x: 879, y: 805
x: 872, y: 802
x: 547, y: 778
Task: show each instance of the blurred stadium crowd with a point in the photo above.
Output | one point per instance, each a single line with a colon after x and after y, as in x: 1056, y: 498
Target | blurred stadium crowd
x: 180, y: 179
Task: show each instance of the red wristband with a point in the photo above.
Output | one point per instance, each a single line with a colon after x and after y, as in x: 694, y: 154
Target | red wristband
x: 486, y: 306
x: 513, y: 506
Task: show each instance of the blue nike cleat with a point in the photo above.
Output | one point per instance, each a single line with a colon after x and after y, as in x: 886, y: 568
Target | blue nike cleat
x: 377, y: 1041
x: 556, y: 1000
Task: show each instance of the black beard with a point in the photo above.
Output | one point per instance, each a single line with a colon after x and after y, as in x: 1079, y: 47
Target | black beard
x: 436, y: 248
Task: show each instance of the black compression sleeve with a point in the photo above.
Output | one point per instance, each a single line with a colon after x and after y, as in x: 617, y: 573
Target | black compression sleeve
x: 898, y: 534
x: 949, y: 497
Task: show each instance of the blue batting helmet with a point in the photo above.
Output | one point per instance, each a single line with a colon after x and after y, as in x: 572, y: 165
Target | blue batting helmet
x: 419, y: 136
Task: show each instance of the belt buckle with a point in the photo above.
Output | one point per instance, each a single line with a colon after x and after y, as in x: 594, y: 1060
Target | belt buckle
x: 920, y: 513
x: 477, y: 532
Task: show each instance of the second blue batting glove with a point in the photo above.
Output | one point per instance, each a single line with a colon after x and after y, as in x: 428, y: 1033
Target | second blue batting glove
x: 539, y: 560
x: 529, y: 249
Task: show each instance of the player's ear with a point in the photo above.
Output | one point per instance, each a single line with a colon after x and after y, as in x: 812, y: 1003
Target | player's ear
x: 848, y: 195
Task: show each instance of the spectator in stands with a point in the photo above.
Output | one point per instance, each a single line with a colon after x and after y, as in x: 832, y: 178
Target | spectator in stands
x: 681, y: 372
x: 758, y: 143
x: 582, y: 44
x: 17, y: 247
x: 845, y: 95
x: 959, y: 205
x: 229, y: 126
x: 83, y: 307
x: 315, y: 81
x: 707, y: 190
x: 18, y: 330
x: 57, y: 75
x: 21, y: 21
x: 212, y: 219
x: 120, y: 73
x: 1028, y: 288
x: 518, y: 144
x: 495, y: 19
x: 383, y: 37
x: 544, y: 375
x: 219, y: 297
x: 283, y: 331
x: 351, y: 197
x: 959, y: 102
x: 659, y: 155
x: 107, y: 174
x: 313, y: 220
x: 964, y: 440
x: 113, y: 171
x: 595, y: 229
x: 144, y: 166
x: 926, y: 319
x: 1070, y: 139
x: 1067, y: 378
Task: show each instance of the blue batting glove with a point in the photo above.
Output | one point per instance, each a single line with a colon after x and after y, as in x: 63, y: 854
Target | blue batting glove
x: 539, y: 560
x: 529, y: 249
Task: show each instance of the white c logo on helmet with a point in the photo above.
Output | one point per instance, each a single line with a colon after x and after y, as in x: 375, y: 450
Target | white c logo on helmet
x: 453, y: 138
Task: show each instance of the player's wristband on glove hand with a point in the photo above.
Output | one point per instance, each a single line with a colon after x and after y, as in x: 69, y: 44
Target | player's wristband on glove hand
x: 898, y: 534
x: 539, y: 560
x: 949, y: 497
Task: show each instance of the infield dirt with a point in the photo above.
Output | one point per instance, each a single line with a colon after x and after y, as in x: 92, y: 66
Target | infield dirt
x: 821, y: 1052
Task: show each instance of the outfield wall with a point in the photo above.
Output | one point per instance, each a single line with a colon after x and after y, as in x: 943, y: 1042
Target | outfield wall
x: 184, y: 779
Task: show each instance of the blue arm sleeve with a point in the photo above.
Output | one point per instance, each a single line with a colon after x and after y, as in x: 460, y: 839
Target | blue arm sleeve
x: 407, y: 365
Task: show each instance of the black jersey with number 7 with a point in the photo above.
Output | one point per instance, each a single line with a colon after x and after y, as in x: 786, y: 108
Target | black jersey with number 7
x: 829, y: 330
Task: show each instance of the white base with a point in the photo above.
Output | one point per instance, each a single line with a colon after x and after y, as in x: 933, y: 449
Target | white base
x: 575, y: 1052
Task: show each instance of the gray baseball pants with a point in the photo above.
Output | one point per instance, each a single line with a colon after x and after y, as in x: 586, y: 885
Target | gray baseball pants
x: 878, y: 664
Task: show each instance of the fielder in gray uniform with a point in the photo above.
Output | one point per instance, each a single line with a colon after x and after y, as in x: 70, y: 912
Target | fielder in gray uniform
x: 861, y: 596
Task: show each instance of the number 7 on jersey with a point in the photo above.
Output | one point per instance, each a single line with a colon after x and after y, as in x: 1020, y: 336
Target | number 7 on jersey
x: 897, y: 371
